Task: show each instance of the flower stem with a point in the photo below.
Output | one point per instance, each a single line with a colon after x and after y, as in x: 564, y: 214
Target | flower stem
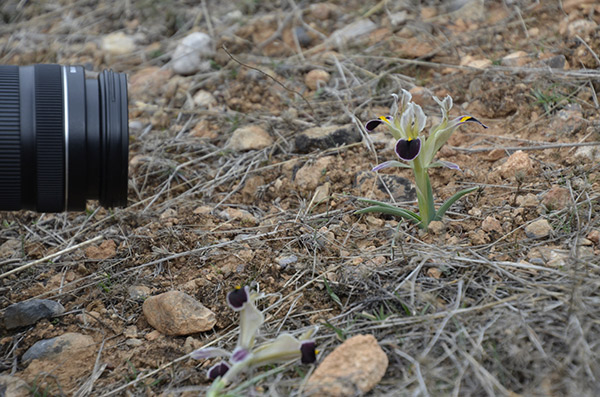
x: 424, y: 194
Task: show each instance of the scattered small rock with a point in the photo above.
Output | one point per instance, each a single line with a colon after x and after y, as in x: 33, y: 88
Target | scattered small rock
x: 353, y: 368
x: 528, y: 200
x: 190, y: 55
x: 323, y: 11
x: 478, y: 63
x: 434, y: 272
x: 203, y: 129
x: 518, y: 163
x: 581, y: 28
x: 118, y: 43
x: 204, y: 99
x: 555, y: 62
x: 133, y: 342
x: 285, y: 261
x: 591, y: 153
x: 491, y: 224
x: 556, y: 198
x: 27, y: 313
x: 437, y: 228
x: 398, y: 18
x: 594, y: 236
x: 309, y: 175
x: 495, y: 155
x: 538, y: 229
x: 11, y: 386
x: 571, y: 5
x: 152, y: 335
x: 139, y: 292
x: 321, y: 193
x: 549, y: 256
x: 304, y: 38
x: 10, y: 248
x: 150, y: 82
x: 352, y: 32
x: 168, y: 214
x: 250, y: 137
x: 400, y: 188
x: 177, y: 313
x: 316, y: 78
x: 516, y: 59
x: 106, y: 250
x: 568, y: 121
x: 56, y: 347
x: 321, y: 138
x: 237, y: 214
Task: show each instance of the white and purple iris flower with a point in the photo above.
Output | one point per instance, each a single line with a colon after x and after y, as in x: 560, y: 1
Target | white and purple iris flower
x: 407, y: 121
x: 245, y: 355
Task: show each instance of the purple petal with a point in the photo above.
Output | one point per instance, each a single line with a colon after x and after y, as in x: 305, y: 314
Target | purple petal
x: 466, y: 119
x: 383, y: 165
x: 218, y: 370
x: 408, y: 149
x: 450, y: 165
x: 238, y: 297
x: 208, y: 352
x: 372, y: 124
x: 239, y: 354
x: 309, y: 354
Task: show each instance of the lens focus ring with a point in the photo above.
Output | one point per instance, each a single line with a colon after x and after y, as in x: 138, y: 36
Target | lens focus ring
x: 10, y: 142
x: 50, y: 138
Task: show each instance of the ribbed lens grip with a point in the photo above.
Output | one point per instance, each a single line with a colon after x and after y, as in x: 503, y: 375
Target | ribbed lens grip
x: 10, y: 141
x: 50, y: 138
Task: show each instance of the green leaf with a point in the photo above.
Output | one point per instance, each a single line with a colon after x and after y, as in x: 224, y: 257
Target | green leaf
x: 394, y: 211
x: 440, y: 213
x: 332, y: 294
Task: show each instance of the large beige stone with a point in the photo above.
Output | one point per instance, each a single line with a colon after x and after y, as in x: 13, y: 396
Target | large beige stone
x: 177, y: 313
x: 353, y: 368
x: 250, y: 137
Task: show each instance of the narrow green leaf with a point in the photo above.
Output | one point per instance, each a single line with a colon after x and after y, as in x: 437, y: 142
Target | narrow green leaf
x: 375, y: 202
x: 394, y: 211
x: 440, y: 213
x: 332, y: 294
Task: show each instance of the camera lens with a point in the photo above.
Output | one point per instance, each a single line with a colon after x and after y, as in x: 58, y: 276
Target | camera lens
x: 63, y: 138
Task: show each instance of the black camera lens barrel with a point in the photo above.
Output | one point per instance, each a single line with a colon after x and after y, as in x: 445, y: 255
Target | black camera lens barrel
x: 63, y: 138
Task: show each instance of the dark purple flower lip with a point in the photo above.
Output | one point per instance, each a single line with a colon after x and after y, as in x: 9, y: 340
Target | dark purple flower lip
x: 309, y: 353
x: 408, y: 149
x: 372, y: 124
x: 238, y: 297
x: 218, y: 370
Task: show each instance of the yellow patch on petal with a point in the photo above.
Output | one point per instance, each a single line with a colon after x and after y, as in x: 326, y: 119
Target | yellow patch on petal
x: 465, y: 118
x: 384, y: 119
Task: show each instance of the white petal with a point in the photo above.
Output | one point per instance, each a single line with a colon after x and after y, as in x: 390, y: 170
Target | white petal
x: 420, y: 120
x: 406, y: 120
x: 284, y: 348
x: 250, y: 321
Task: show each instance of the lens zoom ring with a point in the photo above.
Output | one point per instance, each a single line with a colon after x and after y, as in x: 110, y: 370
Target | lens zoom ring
x: 49, y: 138
x: 10, y: 141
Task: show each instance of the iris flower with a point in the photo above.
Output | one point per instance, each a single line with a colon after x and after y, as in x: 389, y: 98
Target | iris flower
x: 246, y: 355
x: 406, y: 122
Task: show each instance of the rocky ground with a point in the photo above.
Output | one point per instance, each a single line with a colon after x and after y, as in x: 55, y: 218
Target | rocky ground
x: 247, y: 157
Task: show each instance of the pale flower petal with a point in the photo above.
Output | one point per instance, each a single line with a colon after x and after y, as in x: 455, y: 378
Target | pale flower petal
x: 208, y: 352
x: 284, y: 348
x: 250, y: 321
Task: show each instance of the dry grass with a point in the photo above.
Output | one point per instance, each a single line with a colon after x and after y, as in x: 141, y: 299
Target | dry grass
x: 490, y: 323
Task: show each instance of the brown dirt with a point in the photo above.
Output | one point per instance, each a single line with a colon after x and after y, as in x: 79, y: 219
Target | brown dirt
x: 475, y: 308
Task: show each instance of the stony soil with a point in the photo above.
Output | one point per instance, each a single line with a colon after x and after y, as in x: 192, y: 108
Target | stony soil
x: 227, y: 188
